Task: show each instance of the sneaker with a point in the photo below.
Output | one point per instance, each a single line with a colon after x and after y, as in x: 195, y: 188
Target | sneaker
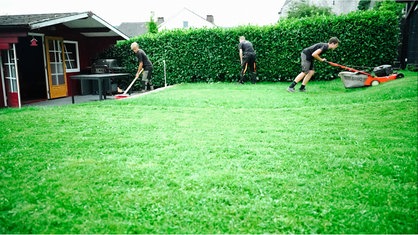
x: 302, y: 90
x: 289, y: 89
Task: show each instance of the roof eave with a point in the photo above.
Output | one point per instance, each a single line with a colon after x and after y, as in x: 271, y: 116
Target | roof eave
x: 15, y: 28
x: 59, y: 20
x: 110, y: 26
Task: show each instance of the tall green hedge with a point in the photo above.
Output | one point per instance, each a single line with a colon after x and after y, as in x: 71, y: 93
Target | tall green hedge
x: 368, y: 39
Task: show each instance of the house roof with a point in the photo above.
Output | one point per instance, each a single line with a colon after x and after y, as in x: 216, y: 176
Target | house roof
x: 185, y: 14
x: 133, y: 28
x: 87, y: 23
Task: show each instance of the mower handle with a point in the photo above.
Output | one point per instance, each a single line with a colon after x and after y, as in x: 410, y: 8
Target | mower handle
x: 346, y: 68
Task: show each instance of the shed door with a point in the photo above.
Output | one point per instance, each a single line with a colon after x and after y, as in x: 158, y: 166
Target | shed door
x: 8, y: 69
x: 57, y: 80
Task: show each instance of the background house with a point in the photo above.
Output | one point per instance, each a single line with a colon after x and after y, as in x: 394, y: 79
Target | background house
x: 39, y: 52
x: 185, y: 19
x: 132, y: 29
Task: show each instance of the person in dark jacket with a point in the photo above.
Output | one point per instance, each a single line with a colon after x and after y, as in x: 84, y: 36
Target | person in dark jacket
x: 307, y: 56
x: 143, y: 63
x: 247, y: 57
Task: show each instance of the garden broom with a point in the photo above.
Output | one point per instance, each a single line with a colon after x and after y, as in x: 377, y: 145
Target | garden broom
x: 124, y: 94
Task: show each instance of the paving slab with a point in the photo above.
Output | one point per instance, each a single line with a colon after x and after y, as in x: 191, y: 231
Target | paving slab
x: 85, y: 98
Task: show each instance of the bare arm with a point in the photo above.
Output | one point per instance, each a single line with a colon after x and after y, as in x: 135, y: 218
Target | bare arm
x: 139, y: 69
x: 240, y: 55
x: 316, y: 55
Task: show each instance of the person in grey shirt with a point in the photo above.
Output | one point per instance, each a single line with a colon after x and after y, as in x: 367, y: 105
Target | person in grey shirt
x: 308, y: 55
x: 143, y: 63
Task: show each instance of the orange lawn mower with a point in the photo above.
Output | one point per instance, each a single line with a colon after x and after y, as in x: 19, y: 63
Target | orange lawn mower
x: 356, y: 78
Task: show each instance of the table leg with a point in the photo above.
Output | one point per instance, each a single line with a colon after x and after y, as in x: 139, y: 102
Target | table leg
x: 72, y: 90
x: 104, y: 88
x: 100, y: 82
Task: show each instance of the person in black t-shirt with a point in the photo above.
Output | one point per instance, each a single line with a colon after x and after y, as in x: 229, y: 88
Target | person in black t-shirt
x: 247, y: 57
x: 307, y: 56
x: 144, y: 63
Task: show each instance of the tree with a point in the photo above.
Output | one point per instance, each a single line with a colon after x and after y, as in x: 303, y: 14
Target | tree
x: 303, y: 9
x: 389, y: 5
x: 152, y: 25
x: 364, y: 5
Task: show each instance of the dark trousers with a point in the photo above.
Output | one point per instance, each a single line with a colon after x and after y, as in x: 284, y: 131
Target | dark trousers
x: 248, y: 63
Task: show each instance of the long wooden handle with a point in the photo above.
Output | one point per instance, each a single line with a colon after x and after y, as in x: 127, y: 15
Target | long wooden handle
x: 347, y: 68
x: 132, y: 83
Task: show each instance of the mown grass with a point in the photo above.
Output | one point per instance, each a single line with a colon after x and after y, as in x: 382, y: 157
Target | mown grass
x: 216, y: 158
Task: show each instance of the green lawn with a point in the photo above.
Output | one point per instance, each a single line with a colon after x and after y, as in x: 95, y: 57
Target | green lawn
x: 216, y: 158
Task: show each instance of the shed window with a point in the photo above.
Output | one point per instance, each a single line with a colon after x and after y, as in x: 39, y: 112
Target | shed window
x: 72, y: 63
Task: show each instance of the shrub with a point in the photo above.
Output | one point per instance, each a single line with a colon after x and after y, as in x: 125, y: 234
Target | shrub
x: 368, y: 39
x: 302, y: 9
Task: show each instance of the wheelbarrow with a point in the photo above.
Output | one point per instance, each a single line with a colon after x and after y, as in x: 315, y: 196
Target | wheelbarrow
x: 357, y: 78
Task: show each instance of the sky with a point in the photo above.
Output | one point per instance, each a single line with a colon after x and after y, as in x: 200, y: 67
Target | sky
x: 227, y: 13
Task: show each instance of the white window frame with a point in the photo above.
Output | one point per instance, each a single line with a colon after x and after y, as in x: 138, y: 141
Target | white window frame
x: 11, y: 68
x: 67, y: 58
x: 12, y: 81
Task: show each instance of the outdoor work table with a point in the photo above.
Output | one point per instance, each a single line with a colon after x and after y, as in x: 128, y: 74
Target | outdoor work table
x: 100, y: 78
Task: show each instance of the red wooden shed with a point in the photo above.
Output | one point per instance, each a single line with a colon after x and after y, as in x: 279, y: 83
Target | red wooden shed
x: 40, y: 51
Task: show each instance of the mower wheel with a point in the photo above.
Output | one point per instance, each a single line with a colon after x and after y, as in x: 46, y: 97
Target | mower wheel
x: 375, y: 83
x: 400, y: 75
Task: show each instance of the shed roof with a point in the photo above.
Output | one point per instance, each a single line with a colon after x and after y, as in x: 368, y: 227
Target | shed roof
x: 87, y: 23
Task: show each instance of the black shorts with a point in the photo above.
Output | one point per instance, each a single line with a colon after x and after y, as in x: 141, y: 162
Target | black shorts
x: 147, y: 75
x: 248, y: 59
x: 306, y: 64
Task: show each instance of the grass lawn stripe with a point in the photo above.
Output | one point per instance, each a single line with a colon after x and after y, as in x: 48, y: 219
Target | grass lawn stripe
x: 216, y: 158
